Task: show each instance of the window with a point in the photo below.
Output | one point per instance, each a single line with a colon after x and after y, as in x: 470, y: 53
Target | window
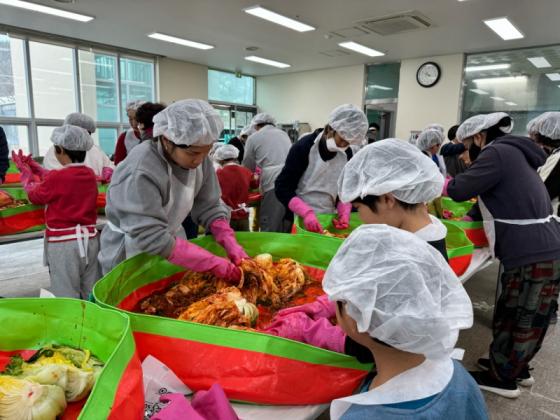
x: 228, y: 87
x: 13, y: 86
x: 52, y: 76
x: 137, y: 82
x: 508, y: 81
x: 383, y: 81
x: 37, y: 94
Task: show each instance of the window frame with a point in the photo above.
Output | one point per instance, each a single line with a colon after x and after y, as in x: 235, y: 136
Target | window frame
x: 32, y: 122
x: 253, y: 105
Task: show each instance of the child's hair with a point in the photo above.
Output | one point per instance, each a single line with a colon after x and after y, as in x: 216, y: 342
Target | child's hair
x: 222, y: 162
x: 452, y: 133
x: 145, y: 114
x: 76, y: 156
x: 371, y: 202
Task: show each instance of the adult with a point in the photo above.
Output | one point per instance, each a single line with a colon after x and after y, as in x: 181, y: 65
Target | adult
x: 130, y: 138
x: 429, y: 142
x: 267, y: 149
x: 372, y: 132
x: 523, y: 233
x: 454, y: 153
x: 4, y: 156
x: 159, y: 184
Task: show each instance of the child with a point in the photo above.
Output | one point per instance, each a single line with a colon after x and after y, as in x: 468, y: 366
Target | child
x: 396, y: 296
x: 429, y: 142
x: 235, y: 181
x: 70, y: 193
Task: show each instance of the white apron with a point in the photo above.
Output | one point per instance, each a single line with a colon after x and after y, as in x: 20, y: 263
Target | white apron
x: 130, y: 140
x: 318, y: 186
x: 181, y: 199
x: 545, y: 171
x: 429, y: 378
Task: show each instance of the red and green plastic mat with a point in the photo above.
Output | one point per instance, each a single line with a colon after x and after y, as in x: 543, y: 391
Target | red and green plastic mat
x: 23, y: 219
x: 250, y: 366
x: 13, y: 176
x: 102, y: 197
x: 33, y: 323
x: 459, y: 247
x: 473, y: 230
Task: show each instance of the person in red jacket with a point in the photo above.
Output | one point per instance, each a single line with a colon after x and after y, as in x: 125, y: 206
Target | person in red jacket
x: 69, y: 194
x: 131, y: 137
x: 235, y: 181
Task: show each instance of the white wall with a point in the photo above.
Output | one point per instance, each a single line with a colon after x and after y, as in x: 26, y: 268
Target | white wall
x: 310, y: 96
x: 181, y: 80
x: 419, y: 106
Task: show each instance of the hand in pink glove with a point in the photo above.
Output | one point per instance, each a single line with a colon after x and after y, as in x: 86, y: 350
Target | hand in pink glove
x: 225, y: 236
x: 343, y: 219
x: 213, y: 404
x: 106, y: 174
x: 321, y: 308
x: 177, y: 408
x: 445, y: 184
x: 195, y: 258
x: 318, y: 333
x: 300, y: 207
x: 19, y: 160
x: 447, y: 214
x: 467, y: 218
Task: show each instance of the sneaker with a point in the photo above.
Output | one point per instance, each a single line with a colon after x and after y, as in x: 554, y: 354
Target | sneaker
x: 524, y: 379
x: 487, y: 383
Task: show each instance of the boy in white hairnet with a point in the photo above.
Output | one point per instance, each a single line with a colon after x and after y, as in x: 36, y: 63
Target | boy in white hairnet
x: 429, y: 142
x: 308, y: 183
x: 396, y: 296
x: 130, y: 138
x: 69, y: 194
x: 159, y: 184
x: 524, y: 235
x: 235, y: 181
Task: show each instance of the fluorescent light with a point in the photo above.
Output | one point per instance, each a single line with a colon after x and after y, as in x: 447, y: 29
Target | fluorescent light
x: 553, y: 76
x: 380, y: 87
x: 488, y: 67
x: 497, y: 98
x: 511, y: 103
x: 274, y: 17
x: 479, y: 91
x: 504, y: 28
x: 508, y: 79
x: 180, y: 41
x: 46, y: 9
x: 266, y: 61
x: 362, y: 49
x: 539, y: 62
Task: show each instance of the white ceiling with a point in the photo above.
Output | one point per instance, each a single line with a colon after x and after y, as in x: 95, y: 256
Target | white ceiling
x: 457, y: 28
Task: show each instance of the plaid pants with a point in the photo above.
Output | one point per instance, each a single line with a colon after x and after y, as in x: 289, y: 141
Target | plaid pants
x: 529, y: 297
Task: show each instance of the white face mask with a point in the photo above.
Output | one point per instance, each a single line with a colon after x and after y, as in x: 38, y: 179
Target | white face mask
x: 332, y: 147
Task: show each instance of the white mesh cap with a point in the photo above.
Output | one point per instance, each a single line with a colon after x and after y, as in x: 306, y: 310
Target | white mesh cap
x: 478, y: 123
x: 548, y: 125
x: 247, y: 131
x: 399, y: 290
x: 227, y: 151
x: 72, y: 138
x: 390, y: 166
x: 428, y: 138
x: 350, y: 123
x: 189, y: 122
x: 436, y: 126
x: 134, y: 105
x: 81, y: 120
x: 263, y: 118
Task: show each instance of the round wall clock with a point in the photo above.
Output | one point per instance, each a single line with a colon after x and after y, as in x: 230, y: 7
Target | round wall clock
x: 428, y: 74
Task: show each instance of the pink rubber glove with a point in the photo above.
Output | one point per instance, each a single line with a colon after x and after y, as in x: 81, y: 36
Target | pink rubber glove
x: 178, y: 408
x: 445, y: 184
x: 467, y: 219
x: 321, y: 308
x: 300, y: 207
x: 318, y: 333
x: 37, y: 169
x: 19, y: 160
x: 106, y: 174
x: 447, y: 214
x: 213, y: 404
x: 225, y: 236
x: 343, y: 219
x: 197, y: 259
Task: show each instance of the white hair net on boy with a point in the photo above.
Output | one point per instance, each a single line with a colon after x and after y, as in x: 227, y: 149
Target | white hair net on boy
x: 428, y: 138
x: 71, y: 137
x: 478, y: 123
x: 226, y: 152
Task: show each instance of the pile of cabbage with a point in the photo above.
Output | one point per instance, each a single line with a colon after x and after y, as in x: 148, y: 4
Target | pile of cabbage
x: 40, y: 388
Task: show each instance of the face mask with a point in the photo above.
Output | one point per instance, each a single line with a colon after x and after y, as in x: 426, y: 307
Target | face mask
x: 332, y: 147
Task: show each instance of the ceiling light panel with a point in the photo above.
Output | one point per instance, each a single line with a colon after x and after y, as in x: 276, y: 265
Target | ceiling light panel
x: 479, y: 91
x: 539, y: 62
x: 362, y: 49
x: 180, y: 41
x: 502, y: 66
x: 504, y: 28
x: 267, y: 62
x: 553, y: 76
x: 278, y: 19
x: 47, y: 10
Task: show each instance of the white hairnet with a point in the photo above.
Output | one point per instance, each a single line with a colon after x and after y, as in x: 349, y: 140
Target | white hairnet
x: 226, y: 152
x: 390, y: 166
x: 134, y: 105
x: 81, y: 120
x: 428, y: 138
x: 399, y: 290
x: 263, y: 118
x: 350, y: 123
x: 189, y: 122
x: 247, y: 131
x: 548, y: 125
x: 478, y: 123
x: 436, y: 126
x: 72, y: 137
